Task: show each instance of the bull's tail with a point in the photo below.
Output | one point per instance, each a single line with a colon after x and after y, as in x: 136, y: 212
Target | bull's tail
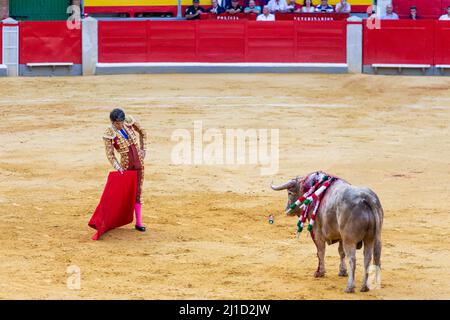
x: 377, y: 210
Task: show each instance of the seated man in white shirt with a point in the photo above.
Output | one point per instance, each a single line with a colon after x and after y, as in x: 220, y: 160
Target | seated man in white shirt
x: 446, y: 17
x: 343, y: 7
x: 266, y: 15
x: 390, y: 14
x: 324, y: 7
x: 277, y: 6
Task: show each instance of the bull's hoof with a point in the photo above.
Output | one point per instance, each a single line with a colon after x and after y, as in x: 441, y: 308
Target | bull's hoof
x: 350, y: 290
x: 319, y: 274
x: 343, y: 273
x: 364, y: 288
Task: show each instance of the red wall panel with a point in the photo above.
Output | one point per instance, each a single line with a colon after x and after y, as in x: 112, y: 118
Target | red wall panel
x: 442, y: 43
x: 322, y: 42
x: 271, y: 41
x: 1, y: 43
x: 399, y: 42
x: 49, y: 41
x: 222, y: 41
x: 171, y: 41
x: 122, y: 41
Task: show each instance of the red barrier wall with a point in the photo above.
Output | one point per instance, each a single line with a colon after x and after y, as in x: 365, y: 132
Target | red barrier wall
x: 442, y: 42
x: 1, y: 43
x: 399, y: 42
x: 49, y: 41
x: 222, y: 41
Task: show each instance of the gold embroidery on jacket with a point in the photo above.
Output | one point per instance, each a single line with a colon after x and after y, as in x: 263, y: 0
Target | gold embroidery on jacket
x: 114, y: 138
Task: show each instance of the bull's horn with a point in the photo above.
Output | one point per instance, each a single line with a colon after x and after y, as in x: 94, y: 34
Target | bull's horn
x: 286, y: 185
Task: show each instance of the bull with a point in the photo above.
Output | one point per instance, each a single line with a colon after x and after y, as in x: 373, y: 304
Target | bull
x: 347, y: 214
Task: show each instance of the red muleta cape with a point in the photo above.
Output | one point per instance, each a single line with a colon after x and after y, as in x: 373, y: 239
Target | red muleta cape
x: 116, y: 204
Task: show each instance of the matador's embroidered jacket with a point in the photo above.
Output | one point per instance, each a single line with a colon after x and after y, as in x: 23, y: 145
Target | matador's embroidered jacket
x: 114, y: 140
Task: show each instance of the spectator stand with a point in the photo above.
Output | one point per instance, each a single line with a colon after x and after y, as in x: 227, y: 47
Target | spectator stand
x: 167, y: 8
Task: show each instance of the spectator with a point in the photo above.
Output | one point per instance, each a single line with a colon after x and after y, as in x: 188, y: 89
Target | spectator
x: 390, y: 14
x: 324, y: 7
x: 277, y: 6
x: 308, y: 6
x: 446, y: 16
x: 224, y: 3
x: 193, y: 12
x: 252, y: 8
x: 234, y: 7
x: 373, y: 14
x: 260, y: 3
x: 343, y: 7
x: 215, y: 8
x: 293, y: 6
x: 266, y: 15
x: 413, y: 13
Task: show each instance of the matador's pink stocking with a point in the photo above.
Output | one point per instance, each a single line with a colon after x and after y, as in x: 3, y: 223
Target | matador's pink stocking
x: 137, y: 210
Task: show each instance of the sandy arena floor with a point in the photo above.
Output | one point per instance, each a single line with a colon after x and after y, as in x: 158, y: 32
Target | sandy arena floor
x: 208, y: 234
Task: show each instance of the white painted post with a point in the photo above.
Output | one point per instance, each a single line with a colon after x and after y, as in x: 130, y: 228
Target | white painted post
x: 89, y: 45
x: 10, y: 46
x: 354, y: 44
x: 3, y: 70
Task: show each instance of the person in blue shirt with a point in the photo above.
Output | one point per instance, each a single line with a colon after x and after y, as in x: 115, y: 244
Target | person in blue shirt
x: 324, y: 7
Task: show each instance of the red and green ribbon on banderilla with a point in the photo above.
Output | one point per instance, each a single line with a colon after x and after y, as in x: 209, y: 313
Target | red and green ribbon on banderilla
x: 311, y: 197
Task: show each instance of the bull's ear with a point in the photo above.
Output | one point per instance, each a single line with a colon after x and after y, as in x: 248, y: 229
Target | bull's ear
x: 298, y: 181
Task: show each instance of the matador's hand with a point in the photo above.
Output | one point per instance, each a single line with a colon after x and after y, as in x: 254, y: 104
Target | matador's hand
x: 143, y: 154
x: 118, y: 168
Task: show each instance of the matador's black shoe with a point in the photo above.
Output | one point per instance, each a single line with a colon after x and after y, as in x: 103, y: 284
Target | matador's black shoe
x: 140, y: 228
